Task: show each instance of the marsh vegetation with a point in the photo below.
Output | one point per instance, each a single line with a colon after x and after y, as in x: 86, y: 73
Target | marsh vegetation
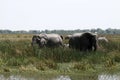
x: 17, y: 55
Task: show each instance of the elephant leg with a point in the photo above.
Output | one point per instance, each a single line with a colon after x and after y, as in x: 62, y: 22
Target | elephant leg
x: 95, y: 47
x: 61, y: 44
x: 90, y: 49
x: 82, y: 48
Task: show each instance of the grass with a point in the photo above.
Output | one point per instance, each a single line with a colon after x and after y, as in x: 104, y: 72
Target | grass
x: 19, y: 55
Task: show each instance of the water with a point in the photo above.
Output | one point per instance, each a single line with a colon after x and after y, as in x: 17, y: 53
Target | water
x: 60, y: 77
x: 14, y: 77
x: 19, y: 77
x: 108, y: 77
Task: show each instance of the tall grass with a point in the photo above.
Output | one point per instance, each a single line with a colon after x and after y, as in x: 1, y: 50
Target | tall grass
x: 20, y: 53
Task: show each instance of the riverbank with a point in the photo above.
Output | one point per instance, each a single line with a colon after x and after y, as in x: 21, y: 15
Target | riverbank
x: 53, y: 75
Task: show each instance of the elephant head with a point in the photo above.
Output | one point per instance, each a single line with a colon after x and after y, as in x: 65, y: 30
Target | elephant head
x: 37, y: 39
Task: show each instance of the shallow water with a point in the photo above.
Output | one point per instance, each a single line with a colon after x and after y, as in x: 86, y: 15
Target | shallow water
x: 19, y: 77
x: 109, y: 77
x: 59, y: 77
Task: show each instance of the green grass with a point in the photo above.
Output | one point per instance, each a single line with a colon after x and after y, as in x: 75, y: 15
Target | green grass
x: 19, y: 55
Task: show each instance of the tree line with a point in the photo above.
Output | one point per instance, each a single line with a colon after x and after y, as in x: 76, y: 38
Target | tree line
x: 98, y: 30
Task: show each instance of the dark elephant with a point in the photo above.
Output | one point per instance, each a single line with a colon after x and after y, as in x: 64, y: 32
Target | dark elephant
x: 83, y: 42
x: 73, y: 40
x: 48, y: 40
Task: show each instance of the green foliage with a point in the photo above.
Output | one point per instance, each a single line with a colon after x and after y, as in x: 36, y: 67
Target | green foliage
x: 16, y: 48
x: 46, y: 64
x: 112, y: 46
x: 84, y: 65
x: 59, y: 54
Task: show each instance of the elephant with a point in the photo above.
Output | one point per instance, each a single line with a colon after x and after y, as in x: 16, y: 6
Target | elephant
x: 48, y: 40
x: 73, y: 35
x: 37, y: 40
x: 103, y: 39
x: 73, y: 40
x: 84, y: 41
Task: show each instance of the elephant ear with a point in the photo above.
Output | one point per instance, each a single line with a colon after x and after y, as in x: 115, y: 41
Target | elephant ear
x: 43, y: 35
x: 38, y: 37
x: 61, y: 37
x: 34, y: 37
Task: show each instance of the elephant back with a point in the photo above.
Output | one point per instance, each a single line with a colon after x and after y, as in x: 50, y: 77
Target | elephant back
x: 52, y: 39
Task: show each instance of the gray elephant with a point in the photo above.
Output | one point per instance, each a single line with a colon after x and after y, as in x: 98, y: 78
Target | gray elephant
x: 48, y: 40
x: 37, y: 40
x: 84, y: 41
x: 103, y: 40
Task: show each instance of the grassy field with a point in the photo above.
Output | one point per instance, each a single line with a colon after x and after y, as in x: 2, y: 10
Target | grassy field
x: 17, y: 55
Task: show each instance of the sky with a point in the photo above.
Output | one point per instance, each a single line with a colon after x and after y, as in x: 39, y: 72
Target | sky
x: 59, y: 14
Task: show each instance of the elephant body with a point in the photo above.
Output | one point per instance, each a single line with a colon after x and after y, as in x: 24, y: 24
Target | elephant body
x: 73, y: 35
x: 83, y: 42
x: 48, y: 40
